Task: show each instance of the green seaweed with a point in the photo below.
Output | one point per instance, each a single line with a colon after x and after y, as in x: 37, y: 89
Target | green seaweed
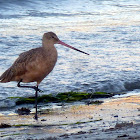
x: 72, y: 96
x: 83, y: 122
x: 23, y: 100
x: 101, y: 93
x: 37, y: 125
x: 46, y: 98
x: 62, y: 97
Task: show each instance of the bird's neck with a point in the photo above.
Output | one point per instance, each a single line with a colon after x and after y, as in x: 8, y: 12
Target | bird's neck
x: 47, y: 45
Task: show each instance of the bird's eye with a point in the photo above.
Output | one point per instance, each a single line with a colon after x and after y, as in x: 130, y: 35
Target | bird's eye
x: 53, y: 37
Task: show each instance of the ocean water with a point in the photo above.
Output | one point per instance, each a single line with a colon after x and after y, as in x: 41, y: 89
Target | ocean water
x: 109, y: 30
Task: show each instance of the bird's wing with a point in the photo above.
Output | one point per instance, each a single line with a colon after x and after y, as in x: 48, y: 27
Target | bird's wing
x: 19, y: 67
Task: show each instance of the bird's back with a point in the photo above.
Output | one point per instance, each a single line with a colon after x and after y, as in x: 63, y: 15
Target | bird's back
x: 31, y: 66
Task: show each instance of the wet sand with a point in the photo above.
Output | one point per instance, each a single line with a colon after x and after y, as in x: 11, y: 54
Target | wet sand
x: 117, y: 118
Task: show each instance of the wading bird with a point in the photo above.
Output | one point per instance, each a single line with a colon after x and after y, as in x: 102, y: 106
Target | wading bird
x: 34, y: 65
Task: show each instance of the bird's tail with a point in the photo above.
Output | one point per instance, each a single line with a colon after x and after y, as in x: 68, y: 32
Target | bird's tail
x: 6, y: 76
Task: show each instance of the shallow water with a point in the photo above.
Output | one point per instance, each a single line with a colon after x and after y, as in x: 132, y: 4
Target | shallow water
x: 107, y: 29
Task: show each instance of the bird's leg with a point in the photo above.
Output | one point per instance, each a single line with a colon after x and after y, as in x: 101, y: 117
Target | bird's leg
x: 33, y: 87
x: 36, y: 95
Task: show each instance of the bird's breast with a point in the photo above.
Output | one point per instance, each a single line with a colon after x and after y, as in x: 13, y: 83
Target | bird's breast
x: 41, y: 67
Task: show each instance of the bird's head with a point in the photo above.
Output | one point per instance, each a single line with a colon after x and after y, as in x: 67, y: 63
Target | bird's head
x: 51, y: 38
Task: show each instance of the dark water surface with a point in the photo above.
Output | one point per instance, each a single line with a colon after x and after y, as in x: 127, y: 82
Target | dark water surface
x: 107, y: 29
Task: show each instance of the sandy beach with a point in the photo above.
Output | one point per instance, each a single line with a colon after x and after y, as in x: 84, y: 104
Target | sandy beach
x: 116, y: 118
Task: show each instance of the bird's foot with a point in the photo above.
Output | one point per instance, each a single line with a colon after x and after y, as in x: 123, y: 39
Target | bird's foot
x: 40, y: 90
x: 37, y: 89
x: 36, y: 117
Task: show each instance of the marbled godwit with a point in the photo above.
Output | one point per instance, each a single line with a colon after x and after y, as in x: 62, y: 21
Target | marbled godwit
x: 35, y: 64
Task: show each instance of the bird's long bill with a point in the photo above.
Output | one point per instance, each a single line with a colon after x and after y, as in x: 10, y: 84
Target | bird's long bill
x: 62, y: 43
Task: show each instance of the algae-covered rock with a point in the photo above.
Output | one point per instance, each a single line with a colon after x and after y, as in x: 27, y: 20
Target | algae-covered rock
x: 63, y: 97
x: 46, y: 98
x: 4, y: 125
x: 23, y: 111
x: 22, y: 100
x: 102, y: 95
x: 72, y: 96
x: 95, y: 102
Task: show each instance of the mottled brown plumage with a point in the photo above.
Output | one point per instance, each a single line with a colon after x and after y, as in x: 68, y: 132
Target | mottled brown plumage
x: 34, y: 65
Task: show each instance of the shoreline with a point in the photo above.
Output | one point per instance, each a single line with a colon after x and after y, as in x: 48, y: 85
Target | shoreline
x: 120, y: 116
